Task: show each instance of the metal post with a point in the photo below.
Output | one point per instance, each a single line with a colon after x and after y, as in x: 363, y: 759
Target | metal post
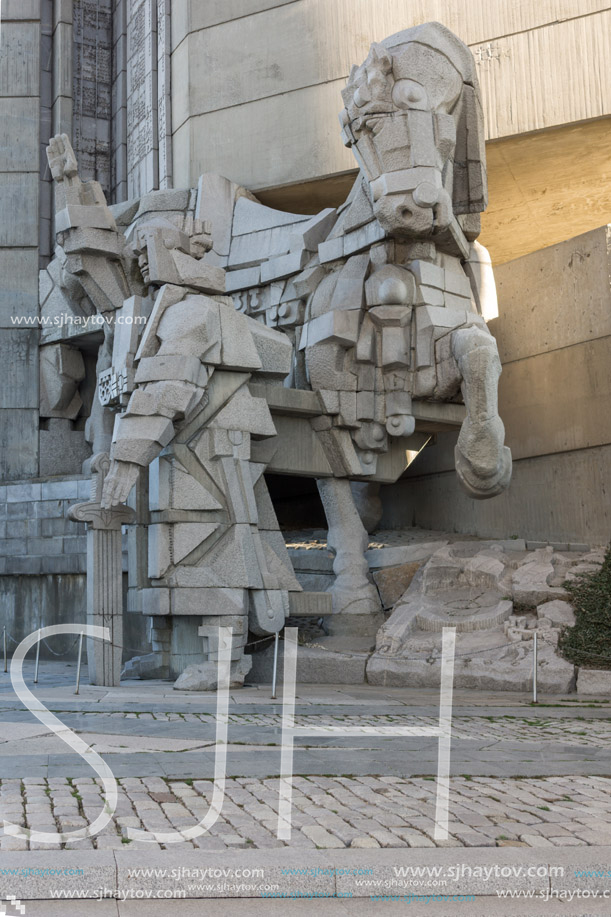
x: 78, y: 667
x: 275, y: 671
x: 535, y: 667
x: 37, y: 660
x: 4, y: 644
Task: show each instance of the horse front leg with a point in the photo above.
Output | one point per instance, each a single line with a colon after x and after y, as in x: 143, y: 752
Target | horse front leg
x: 483, y: 462
x: 356, y: 604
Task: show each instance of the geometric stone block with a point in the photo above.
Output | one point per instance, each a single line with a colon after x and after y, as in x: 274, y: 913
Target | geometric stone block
x: 62, y: 448
x: 18, y: 285
x: 342, y: 327
x: 251, y: 216
x: 283, y: 265
x: 18, y: 443
x: 158, y: 550
x: 155, y: 601
x: 274, y: 349
x: 204, y: 677
x: 207, y: 602
x: 136, y: 437
x: 61, y: 369
x: 172, y: 488
x: 161, y: 368
x: 19, y: 198
x: 315, y: 665
x: 238, y: 348
x: 186, y: 536
x: 594, y: 682
x: 19, y: 351
x: 18, y: 134
x: 309, y: 235
x: 530, y: 584
x: 246, y: 414
x: 331, y: 250
x: 20, y: 47
x: 310, y: 604
x: 405, y: 554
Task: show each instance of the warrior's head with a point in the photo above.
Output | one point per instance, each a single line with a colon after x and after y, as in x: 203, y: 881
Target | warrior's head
x: 161, y: 248
x: 413, y: 118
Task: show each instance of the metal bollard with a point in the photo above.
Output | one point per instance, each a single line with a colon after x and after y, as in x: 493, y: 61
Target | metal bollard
x: 535, y: 667
x: 275, y: 670
x: 37, y: 660
x: 4, y: 643
x: 78, y: 667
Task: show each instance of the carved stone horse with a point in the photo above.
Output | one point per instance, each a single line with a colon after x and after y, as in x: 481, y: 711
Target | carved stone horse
x: 385, y: 297
x: 383, y: 301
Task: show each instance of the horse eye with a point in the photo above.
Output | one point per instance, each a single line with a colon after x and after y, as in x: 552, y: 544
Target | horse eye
x: 408, y: 94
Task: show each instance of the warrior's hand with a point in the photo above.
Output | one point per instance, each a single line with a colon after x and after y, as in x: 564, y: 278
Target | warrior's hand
x: 62, y: 160
x: 70, y: 192
x: 119, y: 482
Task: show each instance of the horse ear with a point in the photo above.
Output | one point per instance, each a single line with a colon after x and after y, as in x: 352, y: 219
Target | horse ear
x: 470, y: 189
x: 378, y: 55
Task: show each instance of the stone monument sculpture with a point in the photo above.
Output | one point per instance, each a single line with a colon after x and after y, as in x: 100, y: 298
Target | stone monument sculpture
x: 248, y: 339
x: 181, y: 389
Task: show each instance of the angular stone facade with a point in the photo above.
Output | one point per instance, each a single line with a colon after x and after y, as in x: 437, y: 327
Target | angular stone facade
x: 373, y: 311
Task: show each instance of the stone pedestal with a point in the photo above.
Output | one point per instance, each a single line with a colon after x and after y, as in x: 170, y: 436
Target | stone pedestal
x: 104, y: 576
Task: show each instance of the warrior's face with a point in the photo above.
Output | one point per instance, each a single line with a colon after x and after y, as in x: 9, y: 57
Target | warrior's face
x: 142, y: 239
x: 156, y: 243
x: 141, y: 252
x: 398, y: 121
x: 153, y: 243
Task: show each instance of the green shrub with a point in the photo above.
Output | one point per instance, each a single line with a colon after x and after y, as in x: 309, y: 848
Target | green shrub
x: 588, y: 642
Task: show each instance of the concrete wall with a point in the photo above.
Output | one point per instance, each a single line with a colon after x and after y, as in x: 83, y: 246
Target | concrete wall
x: 19, y: 190
x: 554, y: 337
x: 256, y: 85
x: 256, y: 94
x: 27, y: 602
x: 37, y: 536
x: 43, y: 562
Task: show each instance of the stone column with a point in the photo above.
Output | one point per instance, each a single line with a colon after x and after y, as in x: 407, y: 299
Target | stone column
x: 104, y: 575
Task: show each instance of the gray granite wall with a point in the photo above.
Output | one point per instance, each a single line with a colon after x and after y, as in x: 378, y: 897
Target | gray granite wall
x: 92, y: 80
x: 20, y: 88
x: 43, y: 560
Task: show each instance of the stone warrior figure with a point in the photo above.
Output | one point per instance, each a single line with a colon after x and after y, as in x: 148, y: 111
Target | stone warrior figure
x: 182, y: 406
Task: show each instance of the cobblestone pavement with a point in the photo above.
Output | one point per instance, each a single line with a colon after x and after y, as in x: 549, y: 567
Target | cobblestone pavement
x: 357, y: 791
x: 328, y: 812
x: 572, y: 731
x: 578, y: 731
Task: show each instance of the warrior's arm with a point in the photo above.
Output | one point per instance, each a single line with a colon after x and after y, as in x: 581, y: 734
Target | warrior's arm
x: 169, y: 387
x: 96, y: 252
x: 146, y: 427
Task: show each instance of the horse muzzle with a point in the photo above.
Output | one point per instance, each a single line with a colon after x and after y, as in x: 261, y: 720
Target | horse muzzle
x: 411, y: 202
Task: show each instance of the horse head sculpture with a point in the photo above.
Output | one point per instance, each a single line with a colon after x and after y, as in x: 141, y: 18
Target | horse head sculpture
x: 414, y: 121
